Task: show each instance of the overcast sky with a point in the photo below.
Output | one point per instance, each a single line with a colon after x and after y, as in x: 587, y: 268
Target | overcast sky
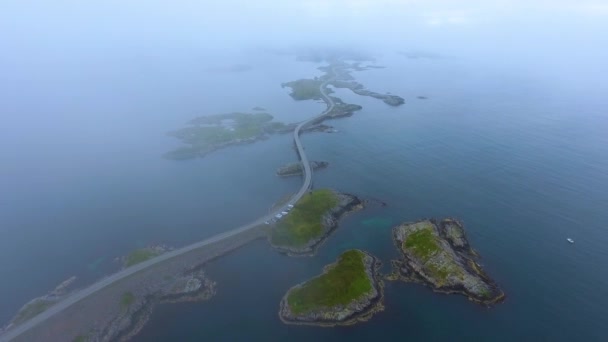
x: 271, y: 22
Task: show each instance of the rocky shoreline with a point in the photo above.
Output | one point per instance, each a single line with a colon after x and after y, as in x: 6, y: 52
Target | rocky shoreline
x: 192, y: 287
x: 346, y: 203
x: 39, y: 304
x: 359, y: 310
x: 437, y: 254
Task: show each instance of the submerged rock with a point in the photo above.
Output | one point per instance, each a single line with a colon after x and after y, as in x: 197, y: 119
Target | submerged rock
x: 437, y: 253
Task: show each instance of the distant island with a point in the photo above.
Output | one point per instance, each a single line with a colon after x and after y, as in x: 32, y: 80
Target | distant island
x: 348, y: 291
x: 437, y: 254
x: 209, y: 133
x: 311, y: 221
x: 295, y: 169
x: 359, y: 89
x: 306, y: 89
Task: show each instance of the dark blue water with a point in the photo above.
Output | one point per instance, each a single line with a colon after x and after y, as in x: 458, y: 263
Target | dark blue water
x: 519, y: 155
x: 519, y: 159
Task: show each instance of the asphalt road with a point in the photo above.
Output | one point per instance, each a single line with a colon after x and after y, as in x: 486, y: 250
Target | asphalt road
x: 107, y: 281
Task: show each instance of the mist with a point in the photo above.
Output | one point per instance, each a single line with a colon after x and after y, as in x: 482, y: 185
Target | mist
x: 89, y: 90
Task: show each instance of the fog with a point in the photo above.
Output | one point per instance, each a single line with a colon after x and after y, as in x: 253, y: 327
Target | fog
x: 62, y: 55
x: 89, y: 88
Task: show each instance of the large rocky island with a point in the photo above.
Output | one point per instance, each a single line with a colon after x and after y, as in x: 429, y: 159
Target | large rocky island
x: 437, y: 254
x: 348, y: 291
x: 311, y: 221
x: 206, y: 134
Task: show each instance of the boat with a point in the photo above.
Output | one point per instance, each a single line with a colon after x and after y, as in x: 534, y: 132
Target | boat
x: 570, y: 240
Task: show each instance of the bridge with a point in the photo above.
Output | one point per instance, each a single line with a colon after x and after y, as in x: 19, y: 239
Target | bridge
x: 17, y: 331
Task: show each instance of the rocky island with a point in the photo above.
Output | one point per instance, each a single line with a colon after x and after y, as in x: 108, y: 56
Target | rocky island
x: 206, y: 134
x: 136, y: 307
x: 348, y: 291
x: 306, y: 88
x: 437, y: 254
x: 295, y: 169
x: 311, y: 221
x: 359, y: 89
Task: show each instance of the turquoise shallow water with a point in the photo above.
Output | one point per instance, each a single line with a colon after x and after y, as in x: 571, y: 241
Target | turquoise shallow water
x: 520, y: 158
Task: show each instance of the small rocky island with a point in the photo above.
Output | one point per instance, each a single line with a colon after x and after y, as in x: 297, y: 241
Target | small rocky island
x: 348, y: 291
x: 295, y: 169
x: 437, y: 254
x: 311, y: 221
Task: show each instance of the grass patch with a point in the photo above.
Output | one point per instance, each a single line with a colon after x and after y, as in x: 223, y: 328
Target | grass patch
x: 303, y: 223
x: 139, y: 255
x: 423, y: 243
x: 127, y: 299
x: 344, y: 283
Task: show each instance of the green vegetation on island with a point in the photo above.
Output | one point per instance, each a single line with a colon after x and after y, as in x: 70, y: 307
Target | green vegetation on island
x: 127, y: 299
x: 208, y: 133
x: 311, y: 220
x: 349, y: 290
x: 304, y: 222
x: 339, y: 286
x: 437, y: 253
x: 140, y: 255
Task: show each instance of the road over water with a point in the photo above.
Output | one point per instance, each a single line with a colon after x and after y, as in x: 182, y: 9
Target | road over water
x: 74, y: 298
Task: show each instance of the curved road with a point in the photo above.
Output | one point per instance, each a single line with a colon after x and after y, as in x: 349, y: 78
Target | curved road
x: 55, y: 309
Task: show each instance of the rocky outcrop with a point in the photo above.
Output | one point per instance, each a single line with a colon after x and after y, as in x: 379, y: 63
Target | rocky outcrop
x: 295, y: 169
x: 358, y: 310
x: 194, y: 286
x: 438, y: 254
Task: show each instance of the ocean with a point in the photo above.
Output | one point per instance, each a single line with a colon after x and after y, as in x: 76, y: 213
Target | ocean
x: 519, y: 155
